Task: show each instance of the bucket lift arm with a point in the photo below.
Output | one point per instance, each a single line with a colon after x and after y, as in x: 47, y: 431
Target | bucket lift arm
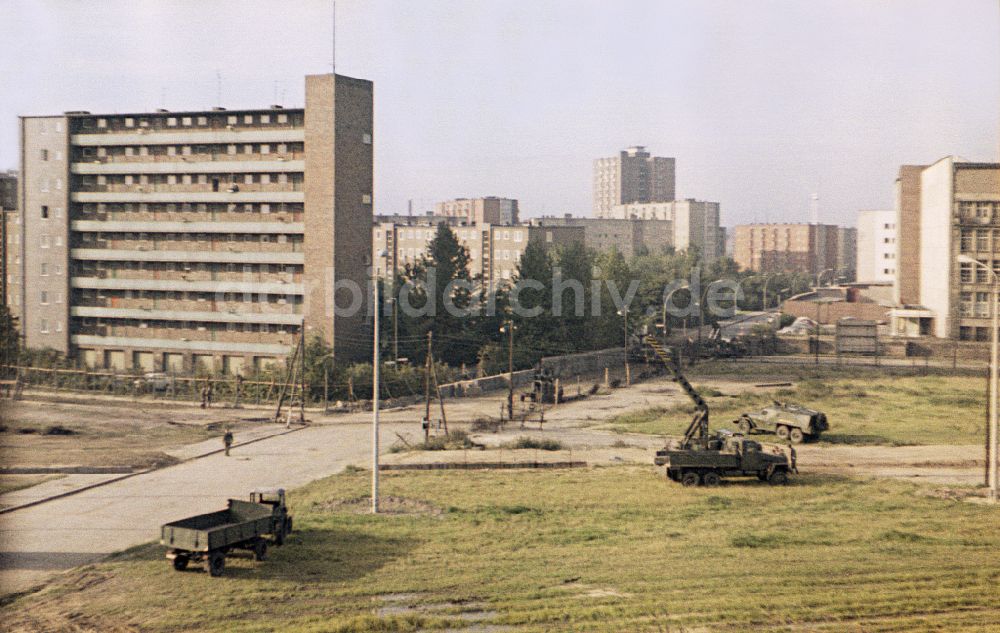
x: 697, y: 431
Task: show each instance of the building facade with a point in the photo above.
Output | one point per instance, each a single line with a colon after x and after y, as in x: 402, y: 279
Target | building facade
x: 906, y: 284
x: 876, y: 250
x: 807, y: 248
x: 9, y: 236
x: 489, y: 210
x: 695, y: 223
x: 197, y: 240
x: 959, y: 215
x: 847, y: 254
x: 494, y: 250
x: 629, y: 237
x: 632, y: 176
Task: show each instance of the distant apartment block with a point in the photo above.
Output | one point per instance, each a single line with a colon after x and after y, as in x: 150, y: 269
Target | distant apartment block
x: 185, y: 240
x: 906, y: 284
x: 957, y: 208
x: 8, y: 189
x: 9, y: 237
x: 876, y: 251
x: 847, y: 253
x: 629, y: 237
x: 632, y: 176
x: 807, y: 248
x: 489, y: 210
x: 494, y: 250
x: 695, y: 223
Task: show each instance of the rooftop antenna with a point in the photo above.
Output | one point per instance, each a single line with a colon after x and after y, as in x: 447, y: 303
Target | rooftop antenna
x: 409, y: 207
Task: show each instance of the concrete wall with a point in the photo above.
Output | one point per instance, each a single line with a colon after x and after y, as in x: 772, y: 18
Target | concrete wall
x: 876, y: 246
x: 906, y: 283
x: 936, y: 249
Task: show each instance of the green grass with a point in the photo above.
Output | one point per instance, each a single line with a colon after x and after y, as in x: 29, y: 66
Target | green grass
x: 607, y: 549
x: 10, y: 483
x: 868, y: 409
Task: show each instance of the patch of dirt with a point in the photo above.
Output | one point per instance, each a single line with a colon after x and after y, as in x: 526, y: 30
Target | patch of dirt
x: 953, y: 494
x: 387, y: 505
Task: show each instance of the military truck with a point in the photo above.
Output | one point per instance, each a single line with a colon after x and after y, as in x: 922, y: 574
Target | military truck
x: 787, y: 421
x: 703, y: 458
x: 247, y: 525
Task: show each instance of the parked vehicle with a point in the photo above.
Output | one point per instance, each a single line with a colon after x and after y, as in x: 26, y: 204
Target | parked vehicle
x: 154, y: 381
x: 248, y: 525
x: 787, y: 421
x: 703, y: 458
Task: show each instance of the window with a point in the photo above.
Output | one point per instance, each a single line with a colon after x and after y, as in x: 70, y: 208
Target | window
x: 265, y: 208
x: 171, y: 150
x: 44, y: 326
x: 231, y: 119
x: 230, y: 149
x: 186, y: 120
x: 518, y: 236
x: 186, y: 150
x: 983, y: 241
x: 45, y: 212
x: 129, y: 122
x: 43, y: 269
x: 366, y: 198
x: 248, y: 149
x: 45, y: 154
x: 172, y: 121
x: 44, y: 297
x: 45, y: 241
x: 248, y: 179
x: 366, y: 138
x: 981, y: 274
x: 265, y: 118
x: 128, y: 179
x: 187, y: 179
x: 171, y: 179
x: 282, y: 118
x: 265, y: 149
x: 102, y: 123
x: 282, y: 148
x: 248, y: 119
x: 203, y: 120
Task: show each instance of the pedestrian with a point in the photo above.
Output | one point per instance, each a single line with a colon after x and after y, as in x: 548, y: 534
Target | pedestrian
x: 227, y: 439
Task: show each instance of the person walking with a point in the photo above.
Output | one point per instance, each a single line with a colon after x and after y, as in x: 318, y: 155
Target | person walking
x: 227, y: 439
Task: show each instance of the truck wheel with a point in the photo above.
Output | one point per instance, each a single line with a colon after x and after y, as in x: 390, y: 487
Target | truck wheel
x: 745, y: 426
x: 260, y: 550
x: 180, y: 562
x: 778, y: 478
x: 796, y: 436
x: 216, y: 564
x: 711, y: 479
x: 690, y: 479
x: 782, y: 431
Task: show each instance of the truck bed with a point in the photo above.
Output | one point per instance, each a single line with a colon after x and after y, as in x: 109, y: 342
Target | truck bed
x: 241, y: 521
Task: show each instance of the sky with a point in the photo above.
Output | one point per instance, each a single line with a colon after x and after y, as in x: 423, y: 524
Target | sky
x: 762, y: 102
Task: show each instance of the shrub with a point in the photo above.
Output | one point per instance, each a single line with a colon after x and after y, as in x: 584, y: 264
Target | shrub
x: 530, y: 442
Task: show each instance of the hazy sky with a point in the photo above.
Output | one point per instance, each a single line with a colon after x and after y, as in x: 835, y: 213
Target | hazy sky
x: 761, y: 102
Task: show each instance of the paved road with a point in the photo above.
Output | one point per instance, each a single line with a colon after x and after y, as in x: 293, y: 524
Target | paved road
x: 39, y: 541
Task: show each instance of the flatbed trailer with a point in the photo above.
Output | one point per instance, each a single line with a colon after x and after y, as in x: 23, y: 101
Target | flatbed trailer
x: 248, y: 525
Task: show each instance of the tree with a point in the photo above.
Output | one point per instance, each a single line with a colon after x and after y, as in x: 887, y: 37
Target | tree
x: 10, y: 338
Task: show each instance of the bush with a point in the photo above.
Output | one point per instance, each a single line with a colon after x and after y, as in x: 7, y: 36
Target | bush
x: 530, y: 442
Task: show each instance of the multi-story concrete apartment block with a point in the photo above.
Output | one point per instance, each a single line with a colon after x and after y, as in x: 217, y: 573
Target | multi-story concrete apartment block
x: 494, y: 250
x: 489, y: 210
x: 632, y: 176
x: 8, y: 189
x: 695, y: 223
x: 906, y: 284
x: 876, y: 250
x: 959, y: 215
x: 629, y: 237
x: 178, y: 240
x: 806, y: 248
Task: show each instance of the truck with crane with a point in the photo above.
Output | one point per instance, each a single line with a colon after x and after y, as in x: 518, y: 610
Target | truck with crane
x: 704, y: 458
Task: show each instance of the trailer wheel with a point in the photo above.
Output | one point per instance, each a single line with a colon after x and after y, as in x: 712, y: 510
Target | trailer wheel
x: 778, y: 478
x: 796, y: 436
x: 216, y: 564
x: 745, y: 426
x: 690, y: 478
x: 782, y: 431
x: 711, y: 479
x: 180, y: 562
x: 260, y: 550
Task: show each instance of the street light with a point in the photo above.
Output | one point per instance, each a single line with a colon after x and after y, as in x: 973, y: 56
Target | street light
x: 991, y: 443
x: 628, y: 374
x: 376, y: 361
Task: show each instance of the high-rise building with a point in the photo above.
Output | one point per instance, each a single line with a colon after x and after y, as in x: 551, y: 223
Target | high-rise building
x: 9, y: 236
x: 179, y: 240
x: 632, y: 176
x: 876, y: 252
x: 847, y: 253
x: 489, y: 210
x: 629, y: 237
x: 695, y: 223
x: 906, y: 285
x: 806, y: 248
x: 957, y: 213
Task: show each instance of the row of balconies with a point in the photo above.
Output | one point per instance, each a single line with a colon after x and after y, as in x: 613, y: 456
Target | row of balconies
x: 228, y: 309
x: 195, y: 274
x: 191, y: 249
x: 212, y: 227
x: 224, y: 187
x: 157, y: 156
x: 195, y: 216
x: 254, y: 333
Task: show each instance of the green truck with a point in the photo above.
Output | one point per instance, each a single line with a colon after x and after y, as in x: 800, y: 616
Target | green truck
x: 788, y: 421
x: 247, y: 525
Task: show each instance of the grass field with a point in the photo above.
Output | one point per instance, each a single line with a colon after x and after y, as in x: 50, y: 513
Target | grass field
x: 868, y: 408
x: 608, y: 549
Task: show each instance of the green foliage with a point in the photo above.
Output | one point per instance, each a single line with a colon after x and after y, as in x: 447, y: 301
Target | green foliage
x: 531, y: 442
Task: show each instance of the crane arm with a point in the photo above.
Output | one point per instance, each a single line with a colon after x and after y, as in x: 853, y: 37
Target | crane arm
x: 698, y: 429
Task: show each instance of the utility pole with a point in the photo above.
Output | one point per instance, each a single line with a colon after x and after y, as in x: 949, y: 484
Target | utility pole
x: 628, y: 374
x: 508, y: 328
x: 395, y: 332
x: 428, y: 364
x: 376, y: 360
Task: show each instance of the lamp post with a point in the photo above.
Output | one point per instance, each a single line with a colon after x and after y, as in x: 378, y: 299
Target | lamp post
x: 623, y: 313
x: 508, y: 329
x: 376, y: 361
x: 991, y: 441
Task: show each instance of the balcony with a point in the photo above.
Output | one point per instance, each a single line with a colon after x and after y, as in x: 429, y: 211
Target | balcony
x: 93, y: 226
x: 220, y: 257
x: 175, y: 285
x: 147, y: 193
x: 196, y: 164
x: 185, y: 315
x: 86, y: 340
x: 188, y: 136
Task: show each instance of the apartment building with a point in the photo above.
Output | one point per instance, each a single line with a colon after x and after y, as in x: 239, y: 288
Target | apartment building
x: 632, y: 176
x: 489, y: 210
x: 695, y: 223
x: 876, y: 246
x: 629, y: 237
x: 805, y: 248
x: 197, y: 240
x: 494, y: 250
x: 847, y: 254
x: 906, y: 283
x: 959, y: 214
